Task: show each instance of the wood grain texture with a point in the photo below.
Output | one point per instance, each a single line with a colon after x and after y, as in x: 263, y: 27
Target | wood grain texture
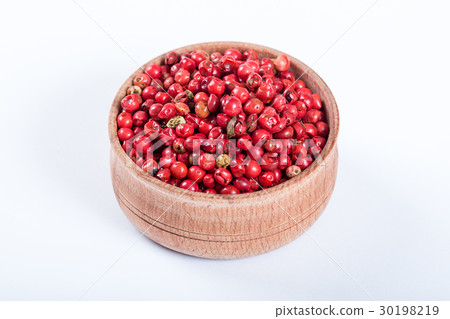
x: 226, y: 226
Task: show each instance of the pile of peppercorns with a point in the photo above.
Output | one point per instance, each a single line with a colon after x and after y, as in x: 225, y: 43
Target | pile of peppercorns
x: 221, y: 123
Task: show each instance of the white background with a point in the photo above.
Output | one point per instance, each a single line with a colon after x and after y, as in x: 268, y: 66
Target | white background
x: 62, y: 233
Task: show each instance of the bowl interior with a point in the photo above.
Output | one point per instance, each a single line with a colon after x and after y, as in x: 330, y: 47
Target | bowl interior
x: 300, y: 70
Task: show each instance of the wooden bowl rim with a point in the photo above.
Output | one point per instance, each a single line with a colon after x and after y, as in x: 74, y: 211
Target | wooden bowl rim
x: 181, y: 193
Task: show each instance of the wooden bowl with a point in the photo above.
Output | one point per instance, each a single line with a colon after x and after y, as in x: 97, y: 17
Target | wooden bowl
x: 226, y: 226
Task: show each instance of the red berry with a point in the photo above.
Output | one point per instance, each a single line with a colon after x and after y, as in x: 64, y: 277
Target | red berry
x: 273, y: 146
x: 278, y: 175
x: 269, y: 161
x: 241, y: 93
x: 142, y: 80
x: 167, y: 136
x: 187, y: 64
x: 232, y: 106
x: 162, y: 97
x: 319, y: 141
x: 293, y: 171
x: 282, y: 62
x: 266, y: 92
x: 178, y: 145
x: 168, y: 159
x: 235, y: 54
x: 199, y: 56
x: 286, y: 133
x: 322, y: 129
x: 284, y: 161
x: 125, y: 119
x: 271, y: 121
x: 209, y: 181
x: 163, y: 174
x: 183, y: 158
x: 140, y: 118
x: 192, y: 119
x: 196, y: 173
x: 261, y: 135
x: 139, y: 161
x: 310, y: 130
x: 201, y: 96
x: 207, y: 161
x: 174, y: 182
x: 250, y: 54
x: 213, y: 103
x: 253, y: 106
x: 205, y: 127
x: 317, y: 103
x: 216, y: 86
x: 267, y: 179
x: 173, y: 89
x: 215, y: 57
x: 253, y: 82
x: 154, y: 110
x: 171, y: 58
x: 152, y: 129
x: 149, y: 93
x: 304, y: 162
x: 229, y: 190
x: 201, y: 109
x: 190, y: 185
x: 301, y: 109
x: 287, y: 75
x: 253, y: 169
x: 193, y: 142
x: 222, y: 120
x: 142, y: 144
x: 279, y: 103
x: 314, y: 116
x: 178, y: 170
x: 247, y: 68
x: 206, y: 68
x: 242, y: 184
x: 150, y: 166
x: 182, y: 108
x: 182, y: 76
x: 130, y: 103
x: 125, y: 134
x: 237, y: 168
x: 154, y: 71
x: 184, y: 130
x: 223, y: 176
x: 167, y: 111
x: 244, y: 142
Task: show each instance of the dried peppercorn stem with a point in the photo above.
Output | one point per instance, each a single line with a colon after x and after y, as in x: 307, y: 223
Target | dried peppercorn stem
x: 230, y: 127
x: 190, y: 95
x: 223, y: 161
x: 175, y: 121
